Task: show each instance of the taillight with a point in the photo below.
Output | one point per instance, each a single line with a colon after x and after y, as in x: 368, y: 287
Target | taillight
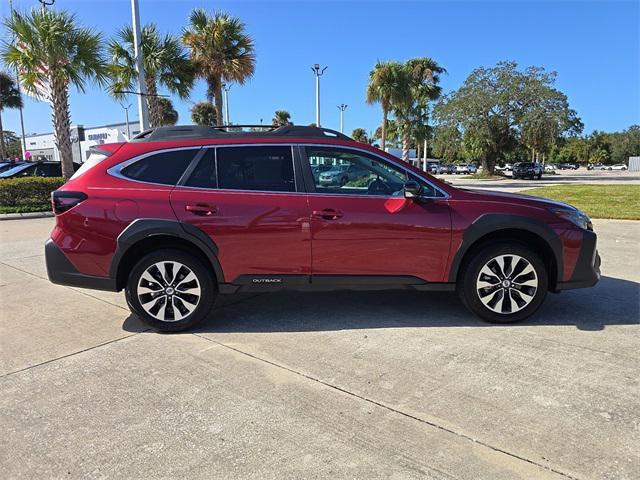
x: 63, y: 200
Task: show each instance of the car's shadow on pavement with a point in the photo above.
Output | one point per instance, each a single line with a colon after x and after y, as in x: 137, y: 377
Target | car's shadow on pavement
x: 612, y: 302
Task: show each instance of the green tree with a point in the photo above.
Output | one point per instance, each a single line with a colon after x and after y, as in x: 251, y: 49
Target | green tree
x: 168, y: 115
x: 166, y: 64
x: 57, y: 52
x: 447, y: 143
x: 203, y: 113
x: 221, y: 52
x: 388, y: 86
x: 360, y: 135
x: 13, y: 144
x: 281, y: 117
x: 9, y: 98
x: 497, y: 108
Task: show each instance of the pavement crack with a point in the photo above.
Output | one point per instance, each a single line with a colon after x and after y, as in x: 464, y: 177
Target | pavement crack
x: 390, y: 408
x: 70, y: 288
x: 93, y: 347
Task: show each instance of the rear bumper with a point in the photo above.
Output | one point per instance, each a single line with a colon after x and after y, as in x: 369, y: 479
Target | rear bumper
x: 587, y: 271
x: 62, y: 272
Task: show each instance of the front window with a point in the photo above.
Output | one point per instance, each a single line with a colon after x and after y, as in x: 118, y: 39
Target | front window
x: 350, y: 172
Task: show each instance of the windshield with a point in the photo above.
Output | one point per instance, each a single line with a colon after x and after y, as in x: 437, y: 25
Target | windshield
x: 14, y: 170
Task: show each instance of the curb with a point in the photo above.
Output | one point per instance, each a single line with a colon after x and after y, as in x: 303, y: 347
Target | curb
x: 20, y: 216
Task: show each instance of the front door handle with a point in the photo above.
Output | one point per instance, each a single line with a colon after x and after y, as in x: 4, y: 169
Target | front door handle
x: 327, y: 214
x: 201, y: 209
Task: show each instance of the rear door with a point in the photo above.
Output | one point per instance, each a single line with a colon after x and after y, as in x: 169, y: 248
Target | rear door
x: 250, y: 202
x: 366, y: 227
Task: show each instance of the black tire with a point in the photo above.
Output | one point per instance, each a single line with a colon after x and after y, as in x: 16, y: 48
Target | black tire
x: 539, y: 176
x: 468, y: 284
x: 201, y: 308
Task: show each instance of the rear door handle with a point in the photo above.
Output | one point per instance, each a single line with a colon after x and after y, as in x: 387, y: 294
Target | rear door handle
x: 327, y: 214
x: 201, y: 209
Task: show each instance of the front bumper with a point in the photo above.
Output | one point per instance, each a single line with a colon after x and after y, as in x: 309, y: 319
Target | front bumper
x: 62, y: 272
x: 587, y: 270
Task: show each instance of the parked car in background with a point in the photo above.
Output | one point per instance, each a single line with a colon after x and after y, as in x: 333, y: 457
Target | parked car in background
x: 434, y: 168
x: 527, y: 170
x: 504, y: 168
x: 342, y: 174
x: 318, y: 169
x: 36, y: 169
x: 447, y: 169
x: 8, y: 164
x: 596, y: 166
x: 465, y: 169
x: 182, y: 214
x: 618, y: 166
x: 550, y: 168
x: 568, y: 166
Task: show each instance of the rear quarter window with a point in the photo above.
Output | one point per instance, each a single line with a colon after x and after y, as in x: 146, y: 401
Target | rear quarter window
x: 163, y: 168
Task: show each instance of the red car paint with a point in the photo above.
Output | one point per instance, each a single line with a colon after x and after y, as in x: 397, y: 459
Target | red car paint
x: 292, y: 233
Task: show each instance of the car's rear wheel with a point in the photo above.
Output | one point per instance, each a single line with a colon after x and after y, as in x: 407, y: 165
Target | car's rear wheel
x: 503, y: 282
x: 170, y: 290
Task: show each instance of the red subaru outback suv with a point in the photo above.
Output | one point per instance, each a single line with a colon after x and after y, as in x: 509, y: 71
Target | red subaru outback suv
x: 180, y: 215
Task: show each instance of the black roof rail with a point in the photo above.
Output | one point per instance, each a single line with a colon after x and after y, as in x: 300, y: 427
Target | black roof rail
x: 179, y: 132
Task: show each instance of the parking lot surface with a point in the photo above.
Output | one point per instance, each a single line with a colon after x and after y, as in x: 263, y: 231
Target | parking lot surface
x: 563, y: 177
x: 318, y: 385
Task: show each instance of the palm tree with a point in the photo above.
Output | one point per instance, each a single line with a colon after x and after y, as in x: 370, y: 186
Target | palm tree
x: 168, y: 114
x: 53, y: 52
x: 165, y: 64
x: 360, y: 135
x: 9, y: 98
x: 221, y: 52
x: 387, y: 86
x: 204, y: 113
x: 281, y: 117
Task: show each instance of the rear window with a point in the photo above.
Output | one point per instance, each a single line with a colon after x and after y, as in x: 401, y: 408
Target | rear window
x: 164, y: 168
x: 93, y: 160
x: 267, y: 169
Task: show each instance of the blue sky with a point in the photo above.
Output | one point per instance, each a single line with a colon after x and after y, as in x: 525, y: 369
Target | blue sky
x: 594, y: 47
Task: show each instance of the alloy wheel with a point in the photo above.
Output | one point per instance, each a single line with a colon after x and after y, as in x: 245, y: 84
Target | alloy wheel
x: 168, y: 291
x: 507, y: 283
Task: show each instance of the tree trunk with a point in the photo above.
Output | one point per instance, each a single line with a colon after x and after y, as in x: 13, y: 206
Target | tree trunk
x: 3, y: 150
x: 152, y: 103
x: 405, y: 148
x: 62, y: 124
x: 383, y: 134
x: 218, y: 94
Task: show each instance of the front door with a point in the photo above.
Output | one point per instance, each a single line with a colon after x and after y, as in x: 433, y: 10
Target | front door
x: 363, y: 226
x: 247, y: 200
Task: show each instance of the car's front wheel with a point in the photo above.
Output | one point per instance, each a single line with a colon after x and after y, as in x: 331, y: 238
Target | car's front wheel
x: 170, y: 290
x: 503, y: 282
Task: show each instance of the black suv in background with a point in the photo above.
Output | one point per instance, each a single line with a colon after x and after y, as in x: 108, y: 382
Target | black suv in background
x: 527, y: 170
x: 35, y: 169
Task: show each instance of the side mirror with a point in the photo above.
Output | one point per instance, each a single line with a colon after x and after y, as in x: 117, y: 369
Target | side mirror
x: 412, y: 189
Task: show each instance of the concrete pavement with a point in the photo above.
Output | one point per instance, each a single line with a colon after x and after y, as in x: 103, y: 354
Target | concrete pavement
x: 325, y: 385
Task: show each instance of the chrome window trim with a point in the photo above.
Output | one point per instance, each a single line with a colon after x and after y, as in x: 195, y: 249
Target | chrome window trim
x: 242, y: 145
x: 116, y: 170
x: 384, y: 159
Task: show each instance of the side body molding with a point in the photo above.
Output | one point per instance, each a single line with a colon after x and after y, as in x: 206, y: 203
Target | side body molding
x: 143, y: 228
x: 494, y: 222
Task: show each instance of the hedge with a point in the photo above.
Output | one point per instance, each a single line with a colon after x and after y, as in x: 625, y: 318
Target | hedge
x: 29, y: 194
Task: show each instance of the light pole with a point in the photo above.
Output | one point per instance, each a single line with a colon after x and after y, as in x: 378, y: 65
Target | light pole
x: 137, y: 51
x: 226, y: 89
x: 126, y: 119
x: 342, y: 107
x: 318, y: 72
x: 24, y: 141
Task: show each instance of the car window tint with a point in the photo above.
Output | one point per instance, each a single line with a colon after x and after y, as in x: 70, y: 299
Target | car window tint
x: 268, y: 168
x: 204, y: 175
x: 165, y: 168
x: 347, y: 172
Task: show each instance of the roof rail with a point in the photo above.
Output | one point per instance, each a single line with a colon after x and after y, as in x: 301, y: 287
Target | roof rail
x: 234, y: 131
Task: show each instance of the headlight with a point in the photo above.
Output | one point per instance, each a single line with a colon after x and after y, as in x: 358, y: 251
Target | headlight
x: 575, y: 216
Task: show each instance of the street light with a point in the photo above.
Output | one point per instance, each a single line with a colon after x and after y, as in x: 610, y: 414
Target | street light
x: 126, y: 119
x: 317, y: 71
x: 226, y: 89
x: 342, y: 107
x: 137, y: 51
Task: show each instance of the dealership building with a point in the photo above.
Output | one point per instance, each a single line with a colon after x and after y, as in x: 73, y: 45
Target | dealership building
x: 42, y: 146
